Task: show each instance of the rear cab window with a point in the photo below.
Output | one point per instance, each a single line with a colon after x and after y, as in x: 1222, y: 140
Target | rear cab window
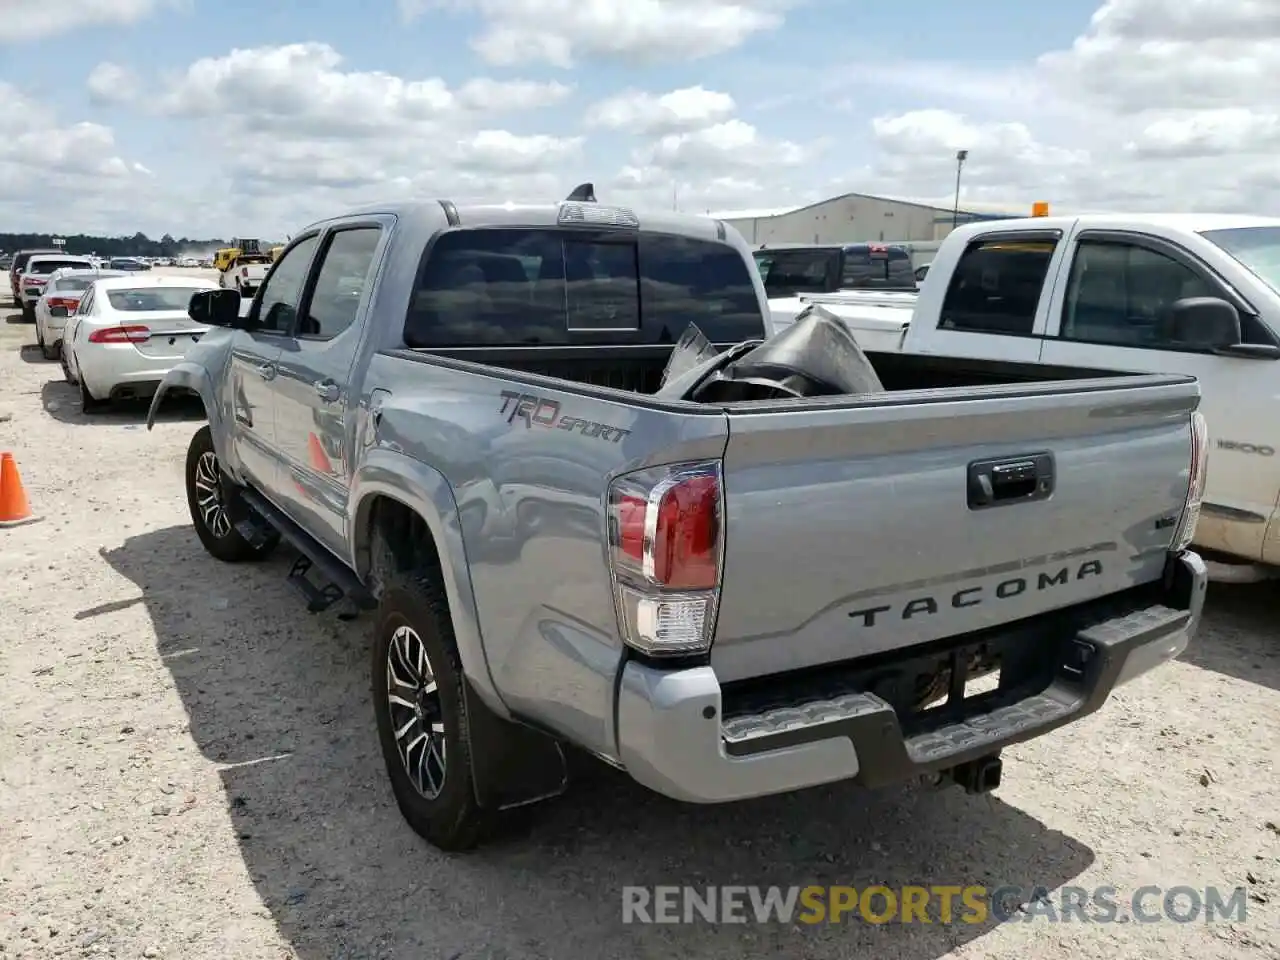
x: 997, y: 284
x: 877, y: 266
x: 516, y: 287
x: 791, y: 272
x: 42, y: 268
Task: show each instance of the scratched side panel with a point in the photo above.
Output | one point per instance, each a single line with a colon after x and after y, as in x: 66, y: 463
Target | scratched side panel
x: 529, y: 468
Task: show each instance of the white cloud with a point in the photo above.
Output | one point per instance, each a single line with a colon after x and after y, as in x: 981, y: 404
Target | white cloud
x: 1151, y: 107
x: 310, y: 136
x: 732, y: 145
x: 52, y: 167
x: 301, y: 89
x: 1154, y: 106
x: 110, y: 83
x: 561, y: 32
x: 634, y: 111
x: 24, y: 21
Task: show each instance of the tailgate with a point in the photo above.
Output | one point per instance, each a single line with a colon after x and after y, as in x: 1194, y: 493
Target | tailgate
x: 850, y: 529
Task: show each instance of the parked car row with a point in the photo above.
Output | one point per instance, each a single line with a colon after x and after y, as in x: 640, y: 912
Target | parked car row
x: 115, y: 332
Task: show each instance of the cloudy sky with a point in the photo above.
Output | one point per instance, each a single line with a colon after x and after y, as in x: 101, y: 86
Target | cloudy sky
x: 235, y: 118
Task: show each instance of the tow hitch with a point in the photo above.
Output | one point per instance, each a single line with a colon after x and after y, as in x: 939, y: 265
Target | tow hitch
x: 977, y: 776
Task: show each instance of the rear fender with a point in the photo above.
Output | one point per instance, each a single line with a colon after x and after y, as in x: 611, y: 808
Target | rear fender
x: 512, y: 764
x: 425, y: 491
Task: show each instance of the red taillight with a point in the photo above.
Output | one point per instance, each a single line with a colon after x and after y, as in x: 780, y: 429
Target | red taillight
x: 665, y: 540
x: 244, y: 271
x: 631, y: 511
x: 133, y: 334
x: 685, y: 547
x: 67, y: 302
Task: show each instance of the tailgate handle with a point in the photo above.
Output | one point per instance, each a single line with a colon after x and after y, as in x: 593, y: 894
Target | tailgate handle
x: 1010, y: 480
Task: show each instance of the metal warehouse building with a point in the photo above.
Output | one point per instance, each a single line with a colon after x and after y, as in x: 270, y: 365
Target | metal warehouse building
x: 859, y: 217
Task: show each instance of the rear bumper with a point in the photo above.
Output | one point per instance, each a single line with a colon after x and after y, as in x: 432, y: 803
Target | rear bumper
x: 673, y: 738
x: 121, y: 372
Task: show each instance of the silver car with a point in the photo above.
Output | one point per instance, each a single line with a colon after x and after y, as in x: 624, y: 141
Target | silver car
x: 36, y: 274
x: 61, y: 298
x: 127, y: 333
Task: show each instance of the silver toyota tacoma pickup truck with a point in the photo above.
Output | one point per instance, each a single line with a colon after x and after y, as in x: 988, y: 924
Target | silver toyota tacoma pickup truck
x: 781, y: 567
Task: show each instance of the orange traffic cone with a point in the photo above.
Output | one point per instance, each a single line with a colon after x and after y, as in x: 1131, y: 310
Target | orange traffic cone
x: 319, y: 459
x: 14, y: 506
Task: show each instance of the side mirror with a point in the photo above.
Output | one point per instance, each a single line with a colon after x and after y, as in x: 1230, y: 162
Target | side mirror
x: 1205, y: 322
x: 59, y: 312
x: 216, y: 308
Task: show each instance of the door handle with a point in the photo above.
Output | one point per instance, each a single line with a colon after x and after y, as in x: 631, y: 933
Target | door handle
x: 327, y: 390
x: 1009, y: 480
x: 267, y: 371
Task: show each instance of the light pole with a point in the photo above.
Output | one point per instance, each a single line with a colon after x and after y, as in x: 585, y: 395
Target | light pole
x: 961, y: 157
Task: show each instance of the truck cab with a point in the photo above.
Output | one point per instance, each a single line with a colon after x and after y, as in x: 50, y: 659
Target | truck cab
x: 792, y: 270
x: 1183, y: 293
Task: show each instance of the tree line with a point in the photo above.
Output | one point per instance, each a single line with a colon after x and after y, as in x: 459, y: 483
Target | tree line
x: 139, y: 245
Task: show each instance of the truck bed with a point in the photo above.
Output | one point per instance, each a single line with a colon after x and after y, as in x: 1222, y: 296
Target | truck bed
x: 639, y: 369
x: 839, y: 505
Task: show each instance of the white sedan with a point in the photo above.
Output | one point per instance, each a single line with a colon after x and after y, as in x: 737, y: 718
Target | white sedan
x: 127, y: 333
x: 60, y: 299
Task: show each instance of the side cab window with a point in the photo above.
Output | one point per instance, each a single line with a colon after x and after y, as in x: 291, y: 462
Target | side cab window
x: 277, y: 305
x: 1122, y: 293
x: 346, y: 269
x: 997, y: 284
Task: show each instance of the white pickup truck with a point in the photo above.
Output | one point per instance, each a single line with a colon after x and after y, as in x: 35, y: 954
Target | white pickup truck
x: 1182, y: 293
x: 245, y: 273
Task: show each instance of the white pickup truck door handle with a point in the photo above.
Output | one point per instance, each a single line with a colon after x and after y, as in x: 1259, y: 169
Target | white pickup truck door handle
x: 327, y: 390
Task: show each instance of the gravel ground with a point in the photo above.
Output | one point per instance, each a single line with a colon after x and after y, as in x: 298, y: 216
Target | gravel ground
x: 188, y: 769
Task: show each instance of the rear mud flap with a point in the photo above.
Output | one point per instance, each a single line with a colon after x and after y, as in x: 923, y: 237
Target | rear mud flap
x: 511, y: 765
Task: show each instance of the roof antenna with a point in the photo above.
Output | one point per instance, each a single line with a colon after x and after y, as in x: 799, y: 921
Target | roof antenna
x: 582, y: 193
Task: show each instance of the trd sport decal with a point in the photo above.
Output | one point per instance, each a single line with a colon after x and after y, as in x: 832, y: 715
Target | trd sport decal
x: 540, y: 412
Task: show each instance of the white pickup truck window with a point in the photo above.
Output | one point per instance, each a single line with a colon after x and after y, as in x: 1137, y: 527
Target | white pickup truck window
x: 996, y: 286
x: 1121, y: 294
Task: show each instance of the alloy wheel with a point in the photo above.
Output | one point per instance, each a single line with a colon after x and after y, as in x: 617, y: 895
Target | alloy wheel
x: 209, y: 496
x: 417, y: 718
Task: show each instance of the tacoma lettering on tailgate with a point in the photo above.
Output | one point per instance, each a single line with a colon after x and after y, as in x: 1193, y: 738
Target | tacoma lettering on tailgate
x: 540, y: 412
x: 974, y: 596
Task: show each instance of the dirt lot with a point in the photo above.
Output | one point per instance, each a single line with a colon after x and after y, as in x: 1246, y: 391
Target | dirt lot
x: 188, y: 769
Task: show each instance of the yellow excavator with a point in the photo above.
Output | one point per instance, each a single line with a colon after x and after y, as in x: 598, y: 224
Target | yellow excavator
x: 223, y: 257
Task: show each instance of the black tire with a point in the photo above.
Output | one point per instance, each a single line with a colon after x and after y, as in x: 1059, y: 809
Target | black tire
x: 88, y: 403
x: 450, y: 820
x: 212, y: 523
x: 28, y: 313
x: 66, y: 367
x: 46, y: 351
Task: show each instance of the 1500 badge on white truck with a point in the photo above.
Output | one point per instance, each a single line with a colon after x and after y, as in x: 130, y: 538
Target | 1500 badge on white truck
x: 1195, y: 294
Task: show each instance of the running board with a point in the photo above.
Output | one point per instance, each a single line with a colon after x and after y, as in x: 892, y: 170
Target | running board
x: 338, y: 581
